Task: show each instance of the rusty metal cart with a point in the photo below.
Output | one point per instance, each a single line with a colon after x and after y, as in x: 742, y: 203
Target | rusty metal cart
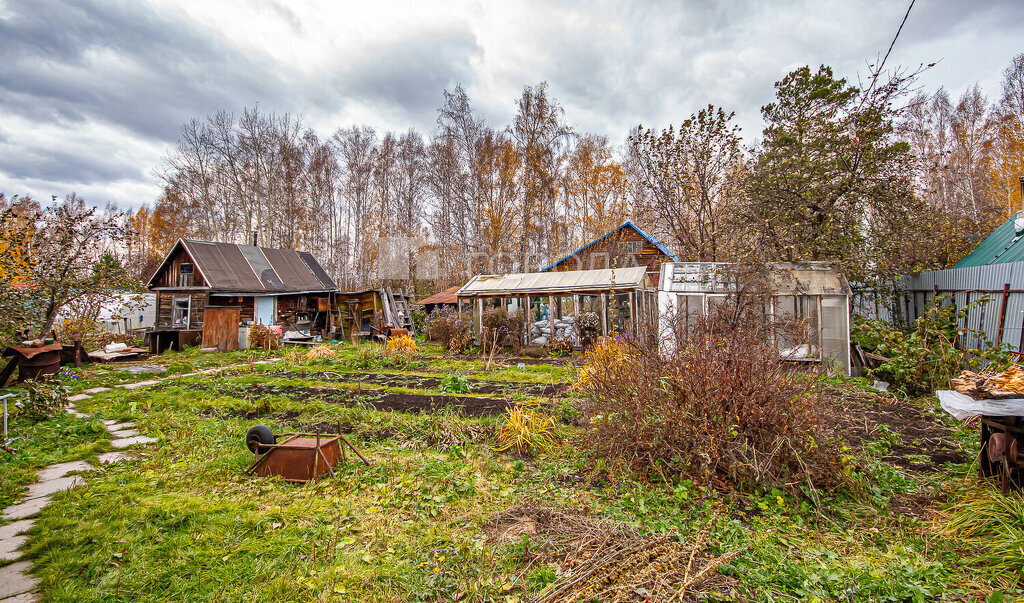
x: 296, y: 457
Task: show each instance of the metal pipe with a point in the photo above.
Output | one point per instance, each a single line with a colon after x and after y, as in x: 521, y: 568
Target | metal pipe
x: 5, y: 398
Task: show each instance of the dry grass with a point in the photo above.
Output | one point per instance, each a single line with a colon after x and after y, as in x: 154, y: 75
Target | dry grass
x: 321, y: 351
x: 402, y: 346
x: 525, y: 430
x: 260, y: 336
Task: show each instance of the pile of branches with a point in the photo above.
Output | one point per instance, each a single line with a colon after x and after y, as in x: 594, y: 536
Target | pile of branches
x: 603, y: 560
x: 105, y: 339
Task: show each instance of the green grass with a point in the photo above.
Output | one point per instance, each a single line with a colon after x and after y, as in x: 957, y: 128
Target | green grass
x: 64, y: 438
x: 186, y: 523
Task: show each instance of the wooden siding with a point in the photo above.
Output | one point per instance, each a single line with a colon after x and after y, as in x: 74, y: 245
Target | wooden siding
x: 169, y: 276
x: 245, y: 304
x: 625, y: 248
x: 165, y: 309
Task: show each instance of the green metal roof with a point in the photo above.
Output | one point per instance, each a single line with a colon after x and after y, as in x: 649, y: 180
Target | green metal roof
x: 1004, y: 245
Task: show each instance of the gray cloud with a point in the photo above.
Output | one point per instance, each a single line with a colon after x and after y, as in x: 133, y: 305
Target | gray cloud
x: 115, y: 80
x: 120, y: 63
x: 407, y: 78
x: 58, y: 165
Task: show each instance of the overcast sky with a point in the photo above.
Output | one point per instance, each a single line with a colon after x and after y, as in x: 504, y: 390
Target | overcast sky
x: 92, y: 94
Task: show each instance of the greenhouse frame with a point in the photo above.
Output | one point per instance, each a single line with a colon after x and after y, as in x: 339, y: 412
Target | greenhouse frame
x: 623, y: 298
x: 811, y: 298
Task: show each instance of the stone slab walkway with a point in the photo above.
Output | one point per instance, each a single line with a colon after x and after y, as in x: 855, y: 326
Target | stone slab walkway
x: 17, y: 584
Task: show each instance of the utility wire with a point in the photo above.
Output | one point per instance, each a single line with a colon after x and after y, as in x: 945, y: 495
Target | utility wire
x: 886, y: 57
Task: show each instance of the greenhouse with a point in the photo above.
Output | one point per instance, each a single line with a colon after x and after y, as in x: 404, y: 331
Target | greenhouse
x: 622, y: 298
x: 810, y: 302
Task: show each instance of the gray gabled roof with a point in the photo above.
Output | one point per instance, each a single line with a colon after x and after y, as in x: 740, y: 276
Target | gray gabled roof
x: 234, y: 268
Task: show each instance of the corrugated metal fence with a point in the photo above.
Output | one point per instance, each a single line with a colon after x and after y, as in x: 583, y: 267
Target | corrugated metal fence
x: 1001, y: 317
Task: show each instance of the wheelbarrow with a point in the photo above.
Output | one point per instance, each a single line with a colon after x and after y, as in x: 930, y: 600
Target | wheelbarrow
x: 296, y: 457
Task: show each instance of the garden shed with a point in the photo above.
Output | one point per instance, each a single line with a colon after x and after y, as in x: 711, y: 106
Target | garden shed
x: 442, y: 299
x: 623, y: 298
x: 811, y: 299
x: 212, y: 291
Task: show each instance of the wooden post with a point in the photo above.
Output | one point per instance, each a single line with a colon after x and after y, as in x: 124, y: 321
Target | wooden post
x: 1002, y: 313
x: 551, y: 318
x: 576, y: 319
x: 604, y: 314
x: 526, y: 320
x: 479, y: 319
x: 632, y: 312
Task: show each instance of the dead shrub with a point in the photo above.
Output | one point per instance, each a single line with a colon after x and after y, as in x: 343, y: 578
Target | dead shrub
x: 723, y: 407
x: 560, y: 347
x: 450, y: 328
x: 260, y: 336
x: 509, y: 328
x: 588, y: 328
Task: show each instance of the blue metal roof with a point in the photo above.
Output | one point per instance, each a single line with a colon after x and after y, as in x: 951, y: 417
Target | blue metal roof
x: 649, y: 238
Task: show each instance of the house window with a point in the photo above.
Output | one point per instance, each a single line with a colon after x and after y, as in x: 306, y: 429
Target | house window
x: 180, y: 310
x: 630, y: 247
x: 185, y: 275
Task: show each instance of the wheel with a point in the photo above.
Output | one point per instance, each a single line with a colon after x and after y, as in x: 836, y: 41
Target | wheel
x: 258, y: 438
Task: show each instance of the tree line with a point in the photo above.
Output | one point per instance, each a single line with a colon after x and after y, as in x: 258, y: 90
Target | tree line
x: 881, y: 178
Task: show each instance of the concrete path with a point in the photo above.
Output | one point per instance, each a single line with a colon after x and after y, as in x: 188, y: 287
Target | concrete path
x: 17, y: 584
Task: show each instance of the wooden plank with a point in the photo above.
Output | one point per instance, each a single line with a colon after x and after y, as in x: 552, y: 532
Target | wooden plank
x: 220, y: 328
x: 8, y: 370
x: 551, y: 318
x: 1002, y: 314
x: 604, y: 314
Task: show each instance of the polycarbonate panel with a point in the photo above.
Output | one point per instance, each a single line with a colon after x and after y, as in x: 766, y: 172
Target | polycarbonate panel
x: 835, y: 333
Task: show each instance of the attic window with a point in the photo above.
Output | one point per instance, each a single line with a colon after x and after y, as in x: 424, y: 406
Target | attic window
x: 185, y: 275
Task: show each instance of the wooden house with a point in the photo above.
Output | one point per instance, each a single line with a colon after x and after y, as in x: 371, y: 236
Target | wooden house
x: 624, y: 247
x: 212, y: 291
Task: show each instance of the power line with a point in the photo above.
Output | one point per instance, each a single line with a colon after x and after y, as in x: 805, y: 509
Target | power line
x: 904, y: 22
x: 878, y: 71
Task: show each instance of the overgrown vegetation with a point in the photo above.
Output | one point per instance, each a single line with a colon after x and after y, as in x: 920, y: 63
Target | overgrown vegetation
x: 925, y: 356
x: 440, y: 514
x: 504, y: 328
x: 43, y: 400
x: 725, y: 406
x: 450, y: 328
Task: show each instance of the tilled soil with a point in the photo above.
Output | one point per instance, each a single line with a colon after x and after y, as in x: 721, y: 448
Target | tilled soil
x: 378, y: 400
x: 858, y: 416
